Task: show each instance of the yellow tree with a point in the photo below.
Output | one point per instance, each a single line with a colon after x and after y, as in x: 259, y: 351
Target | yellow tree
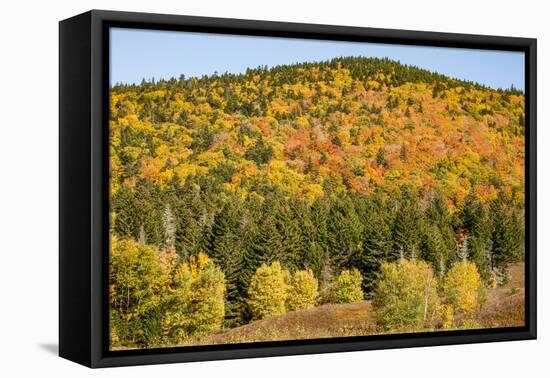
x: 303, y: 292
x: 268, y: 290
x: 208, y: 293
x: 137, y: 279
x: 405, y: 297
x: 195, y: 304
x: 462, y: 289
x: 347, y: 287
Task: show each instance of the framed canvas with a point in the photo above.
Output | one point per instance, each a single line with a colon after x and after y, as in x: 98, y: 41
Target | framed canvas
x: 235, y: 188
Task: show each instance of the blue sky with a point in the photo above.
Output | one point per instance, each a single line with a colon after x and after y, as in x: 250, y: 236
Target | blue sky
x: 138, y: 54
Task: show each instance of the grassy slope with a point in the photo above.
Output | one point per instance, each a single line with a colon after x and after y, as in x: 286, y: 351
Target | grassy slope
x: 506, y: 304
x: 504, y: 308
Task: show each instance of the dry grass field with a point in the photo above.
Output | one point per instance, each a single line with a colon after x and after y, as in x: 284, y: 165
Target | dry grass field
x: 506, y: 304
x: 331, y: 320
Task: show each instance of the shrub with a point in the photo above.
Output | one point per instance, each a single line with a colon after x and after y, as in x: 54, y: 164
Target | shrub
x: 405, y: 297
x: 447, y: 316
x: 303, y: 292
x: 347, y: 287
x: 462, y: 288
x: 268, y: 291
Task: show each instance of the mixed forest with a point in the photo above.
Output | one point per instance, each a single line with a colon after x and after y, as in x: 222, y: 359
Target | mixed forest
x: 236, y: 198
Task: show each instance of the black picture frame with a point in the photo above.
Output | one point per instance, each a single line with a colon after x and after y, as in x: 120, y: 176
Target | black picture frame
x: 83, y: 181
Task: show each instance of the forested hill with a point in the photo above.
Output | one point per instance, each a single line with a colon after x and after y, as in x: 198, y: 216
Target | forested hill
x: 359, y: 68
x: 346, y: 163
x: 351, y: 124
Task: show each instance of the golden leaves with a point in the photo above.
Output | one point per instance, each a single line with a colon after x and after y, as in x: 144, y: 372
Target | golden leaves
x: 325, y: 118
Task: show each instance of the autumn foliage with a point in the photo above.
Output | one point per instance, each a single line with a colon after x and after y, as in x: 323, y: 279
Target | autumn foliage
x: 303, y: 291
x: 354, y: 124
x: 462, y: 288
x: 268, y: 291
x: 406, y: 296
x: 239, y: 197
x: 157, y: 302
x: 347, y: 287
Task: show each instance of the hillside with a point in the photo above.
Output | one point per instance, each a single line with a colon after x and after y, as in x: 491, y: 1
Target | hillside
x: 351, y: 124
x: 504, y: 308
x: 320, y: 168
